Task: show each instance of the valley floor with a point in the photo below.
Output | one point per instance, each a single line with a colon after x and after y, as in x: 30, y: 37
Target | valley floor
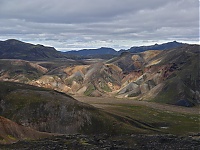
x: 164, y: 118
x: 105, y: 102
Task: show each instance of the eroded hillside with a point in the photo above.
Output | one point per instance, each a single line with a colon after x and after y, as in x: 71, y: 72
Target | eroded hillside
x: 169, y: 76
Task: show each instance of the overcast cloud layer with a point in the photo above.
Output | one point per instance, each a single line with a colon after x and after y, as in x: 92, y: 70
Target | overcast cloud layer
x: 78, y: 24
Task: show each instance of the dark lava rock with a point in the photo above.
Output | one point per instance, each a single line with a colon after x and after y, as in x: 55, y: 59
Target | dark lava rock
x: 106, y: 142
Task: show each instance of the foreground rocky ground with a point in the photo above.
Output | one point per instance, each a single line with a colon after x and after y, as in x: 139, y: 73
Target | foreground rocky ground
x: 107, y: 142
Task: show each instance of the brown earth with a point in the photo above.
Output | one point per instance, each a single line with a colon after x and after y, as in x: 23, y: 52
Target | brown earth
x: 12, y: 132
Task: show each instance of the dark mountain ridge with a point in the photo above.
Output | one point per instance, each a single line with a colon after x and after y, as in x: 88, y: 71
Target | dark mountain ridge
x: 91, y: 52
x: 163, y: 46
x: 136, y: 49
x: 15, y: 49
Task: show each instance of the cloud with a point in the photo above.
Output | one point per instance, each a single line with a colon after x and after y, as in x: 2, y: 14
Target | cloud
x: 76, y: 24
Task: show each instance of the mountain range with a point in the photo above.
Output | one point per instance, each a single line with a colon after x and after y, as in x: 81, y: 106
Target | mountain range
x: 150, y: 75
x: 110, y: 51
x: 14, y: 49
x: 93, y: 52
x: 163, y: 46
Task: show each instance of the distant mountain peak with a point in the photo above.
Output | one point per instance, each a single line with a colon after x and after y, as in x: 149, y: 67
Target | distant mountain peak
x: 164, y: 46
x: 11, y: 41
x: 94, y: 52
x: 15, y: 49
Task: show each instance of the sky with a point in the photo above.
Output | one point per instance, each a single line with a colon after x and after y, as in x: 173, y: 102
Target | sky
x: 81, y: 24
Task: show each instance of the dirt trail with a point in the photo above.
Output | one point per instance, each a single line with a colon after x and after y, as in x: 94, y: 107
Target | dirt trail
x: 102, y: 102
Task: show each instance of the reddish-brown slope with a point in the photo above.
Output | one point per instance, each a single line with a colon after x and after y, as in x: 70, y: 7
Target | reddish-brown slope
x: 11, y: 132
